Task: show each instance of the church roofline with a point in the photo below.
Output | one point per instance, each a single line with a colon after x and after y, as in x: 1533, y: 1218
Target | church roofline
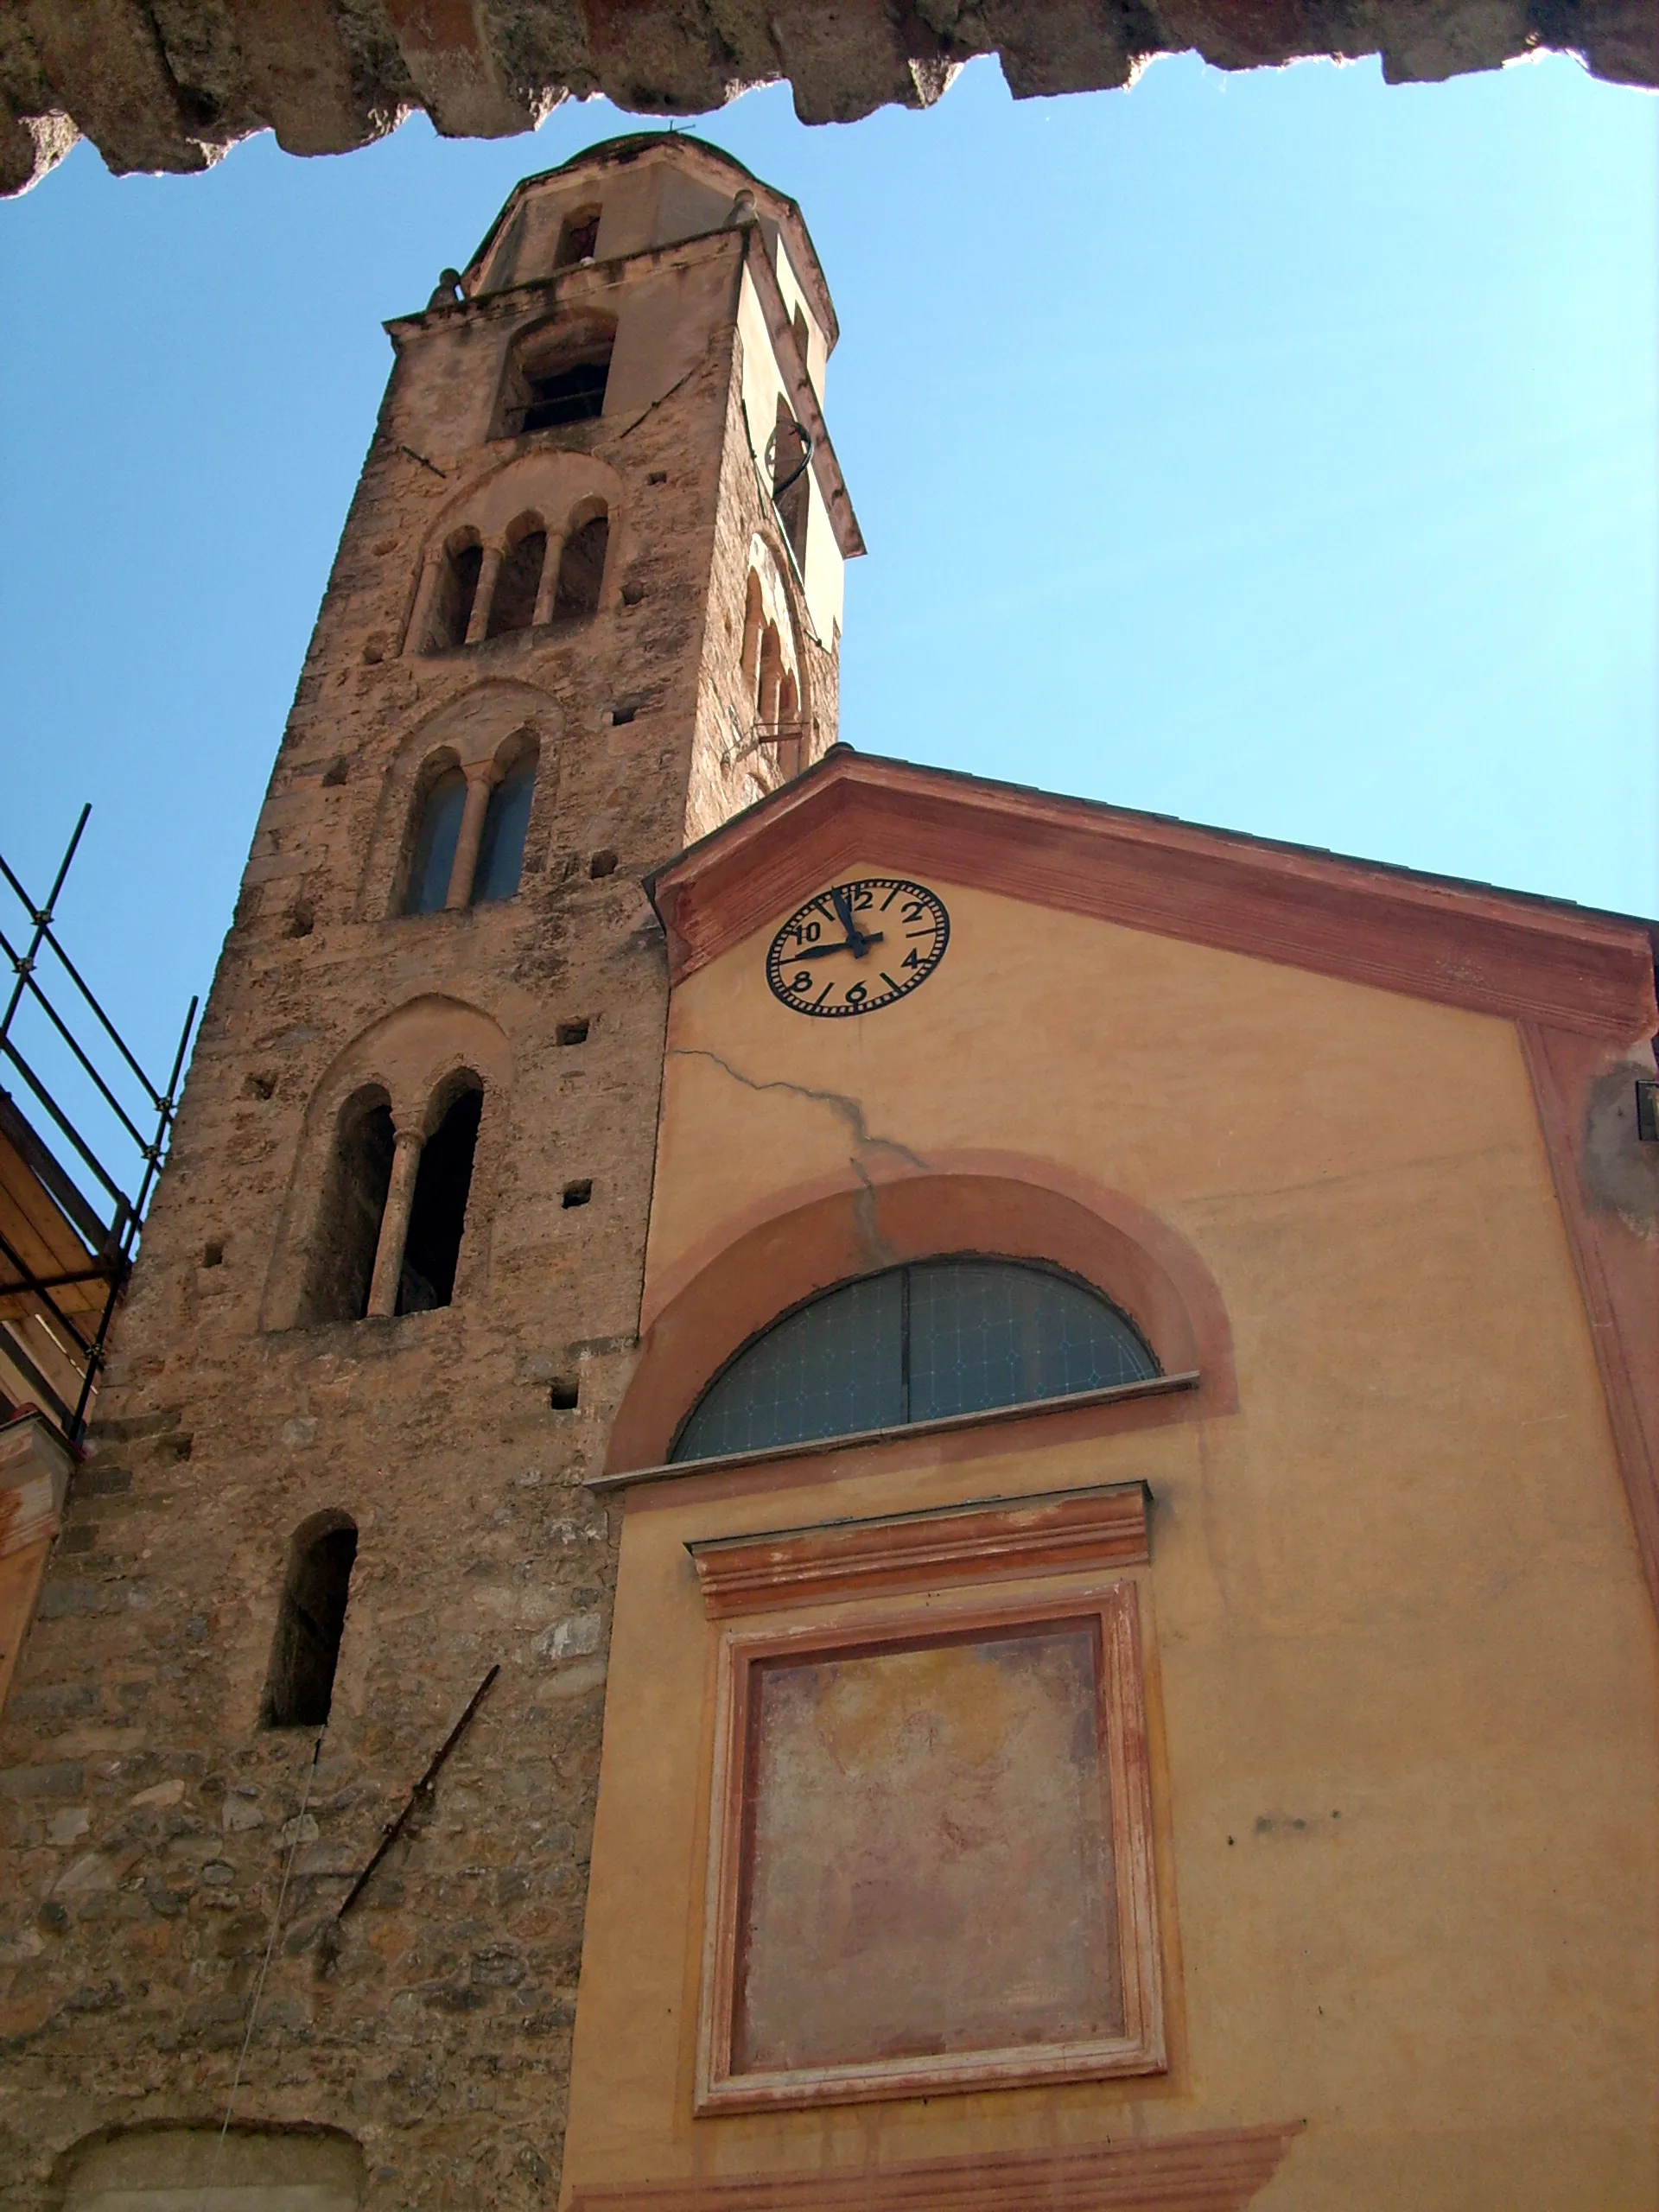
x: 1516, y: 954
x: 628, y: 146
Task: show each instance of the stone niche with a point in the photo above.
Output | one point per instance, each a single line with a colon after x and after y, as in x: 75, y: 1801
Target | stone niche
x: 199, y: 2169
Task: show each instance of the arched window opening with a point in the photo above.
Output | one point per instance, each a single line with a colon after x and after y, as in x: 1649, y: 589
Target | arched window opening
x: 754, y: 625
x: 501, y: 848
x: 353, y: 1201
x: 789, y: 732
x: 452, y: 605
x: 305, y: 1650
x: 518, y: 582
x: 558, y: 377
x: 790, y: 454
x: 771, y: 681
x: 437, y: 1216
x: 437, y: 830
x: 578, y: 238
x: 925, y: 1342
x: 581, y: 568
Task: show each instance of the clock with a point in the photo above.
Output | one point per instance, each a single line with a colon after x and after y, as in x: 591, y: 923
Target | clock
x: 858, y: 946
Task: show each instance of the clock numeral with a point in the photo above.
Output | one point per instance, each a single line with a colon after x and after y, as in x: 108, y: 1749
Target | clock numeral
x: 856, y: 995
x: 801, y: 980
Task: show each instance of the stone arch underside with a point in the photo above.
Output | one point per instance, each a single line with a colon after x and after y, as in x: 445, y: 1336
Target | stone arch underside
x: 173, y: 92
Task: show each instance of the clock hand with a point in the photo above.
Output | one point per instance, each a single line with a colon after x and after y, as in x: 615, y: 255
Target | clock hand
x: 861, y: 945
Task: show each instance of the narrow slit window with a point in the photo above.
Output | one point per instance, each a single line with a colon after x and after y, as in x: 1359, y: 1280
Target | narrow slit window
x: 436, y: 833
x: 501, y: 848
x: 305, y: 1651
x: 437, y: 1216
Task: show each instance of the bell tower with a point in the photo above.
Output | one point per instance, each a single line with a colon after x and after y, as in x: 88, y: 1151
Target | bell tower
x: 586, y: 605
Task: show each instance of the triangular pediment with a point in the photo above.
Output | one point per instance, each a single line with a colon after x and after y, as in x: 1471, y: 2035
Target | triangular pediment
x: 1493, y: 952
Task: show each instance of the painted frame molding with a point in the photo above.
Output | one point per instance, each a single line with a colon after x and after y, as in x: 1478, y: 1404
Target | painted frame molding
x: 1114, y: 1610
x: 1056, y: 1532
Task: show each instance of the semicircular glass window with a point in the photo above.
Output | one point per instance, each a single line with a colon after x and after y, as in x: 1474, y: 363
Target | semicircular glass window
x: 918, y: 1342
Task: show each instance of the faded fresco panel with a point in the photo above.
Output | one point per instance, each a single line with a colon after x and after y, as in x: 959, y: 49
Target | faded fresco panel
x: 929, y: 1862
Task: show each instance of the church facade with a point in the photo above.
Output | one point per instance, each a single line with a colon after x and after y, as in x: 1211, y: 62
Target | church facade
x: 826, y: 1485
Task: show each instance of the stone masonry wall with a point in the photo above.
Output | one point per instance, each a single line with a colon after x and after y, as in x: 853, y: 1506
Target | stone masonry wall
x: 146, y: 1820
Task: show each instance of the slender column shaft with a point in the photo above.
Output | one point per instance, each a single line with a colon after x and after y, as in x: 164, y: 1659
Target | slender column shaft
x: 491, y: 568
x: 422, y: 614
x: 548, y: 590
x: 394, y: 1222
x: 478, y: 786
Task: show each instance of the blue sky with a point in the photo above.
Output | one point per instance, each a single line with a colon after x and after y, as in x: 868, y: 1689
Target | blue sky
x: 1275, y: 450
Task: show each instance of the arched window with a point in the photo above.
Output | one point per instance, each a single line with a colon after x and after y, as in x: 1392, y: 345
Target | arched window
x: 518, y: 580
x: 556, y: 375
x: 578, y: 236
x: 581, y: 568
x: 915, y: 1344
x: 501, y: 848
x: 437, y: 1214
x: 457, y: 587
x: 305, y: 1650
x: 354, y: 1200
x: 438, y: 831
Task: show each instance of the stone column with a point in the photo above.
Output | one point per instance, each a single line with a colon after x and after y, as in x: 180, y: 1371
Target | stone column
x: 548, y: 590
x: 394, y: 1222
x: 481, y: 781
x: 424, y: 595
x: 489, y: 569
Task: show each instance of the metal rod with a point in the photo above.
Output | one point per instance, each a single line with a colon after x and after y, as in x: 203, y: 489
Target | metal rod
x: 65, y: 1123
x: 395, y: 1828
x: 41, y: 916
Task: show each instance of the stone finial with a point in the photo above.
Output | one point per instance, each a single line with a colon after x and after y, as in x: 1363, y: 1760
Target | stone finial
x: 448, y: 293
x: 743, y: 212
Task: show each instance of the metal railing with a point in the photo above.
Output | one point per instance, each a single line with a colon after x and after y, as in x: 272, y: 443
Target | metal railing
x: 98, y: 1059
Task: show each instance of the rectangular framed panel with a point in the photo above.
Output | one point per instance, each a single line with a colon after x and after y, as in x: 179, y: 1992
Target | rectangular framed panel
x: 931, y: 1863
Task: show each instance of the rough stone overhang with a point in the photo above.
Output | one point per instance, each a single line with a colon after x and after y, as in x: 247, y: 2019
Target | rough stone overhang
x: 1465, y: 945
x: 172, y: 88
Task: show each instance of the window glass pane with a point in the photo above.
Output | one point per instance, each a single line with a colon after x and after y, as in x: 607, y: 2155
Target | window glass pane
x: 989, y: 1332
x: 834, y: 1368
x: 501, y: 849
x: 435, y: 844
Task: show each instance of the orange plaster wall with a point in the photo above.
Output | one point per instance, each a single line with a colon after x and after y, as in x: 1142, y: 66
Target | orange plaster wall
x: 1401, y: 1657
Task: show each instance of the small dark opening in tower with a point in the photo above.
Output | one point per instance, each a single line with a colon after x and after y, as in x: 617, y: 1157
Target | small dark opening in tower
x: 581, y: 569
x: 305, y: 1650
x: 577, y: 1194
x: 438, y: 1215
x: 349, y: 1225
x: 601, y: 864
x: 452, y: 609
x: 573, y: 1033
x: 578, y: 239
x: 563, y: 1396
x: 556, y: 396
x: 512, y: 604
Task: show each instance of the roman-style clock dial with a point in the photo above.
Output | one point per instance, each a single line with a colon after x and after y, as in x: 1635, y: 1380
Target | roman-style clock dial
x: 858, y: 946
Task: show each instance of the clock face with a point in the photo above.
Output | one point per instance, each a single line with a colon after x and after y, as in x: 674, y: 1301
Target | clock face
x: 858, y: 946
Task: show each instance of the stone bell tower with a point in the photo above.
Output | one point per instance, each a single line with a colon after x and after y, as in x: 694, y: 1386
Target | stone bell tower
x: 586, y: 606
